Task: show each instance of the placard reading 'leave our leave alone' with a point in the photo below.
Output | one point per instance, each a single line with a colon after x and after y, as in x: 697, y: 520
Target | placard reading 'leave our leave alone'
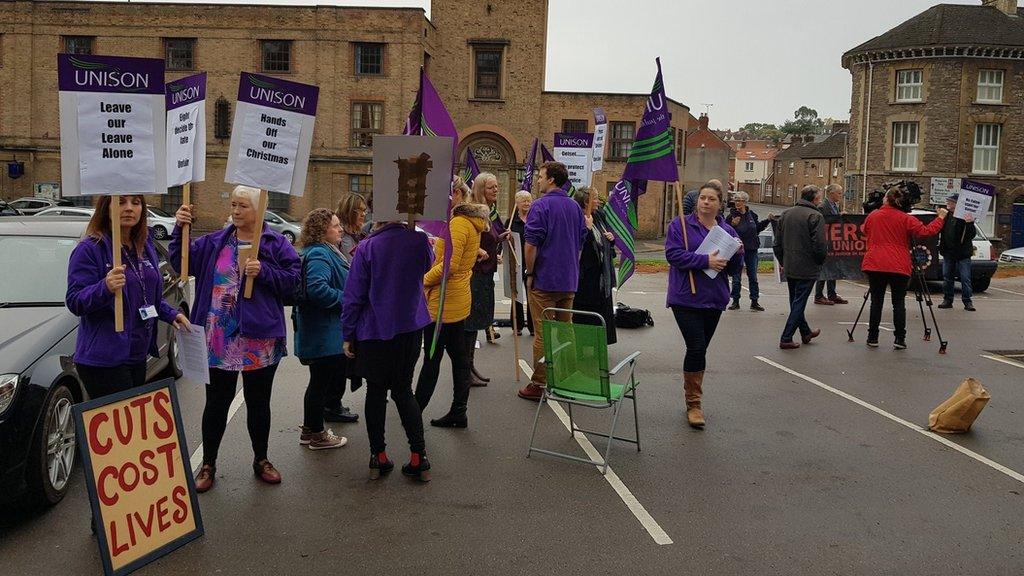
x: 186, y: 130
x: 272, y: 134
x: 111, y: 124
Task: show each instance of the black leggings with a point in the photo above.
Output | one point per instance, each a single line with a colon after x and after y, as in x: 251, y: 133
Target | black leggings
x: 698, y: 327
x: 897, y: 285
x: 256, y: 388
x: 453, y: 340
x: 100, y: 381
x: 400, y: 354
x: 336, y: 386
x: 323, y: 372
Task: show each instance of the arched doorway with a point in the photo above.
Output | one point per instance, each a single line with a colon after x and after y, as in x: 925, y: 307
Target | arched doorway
x: 494, y: 154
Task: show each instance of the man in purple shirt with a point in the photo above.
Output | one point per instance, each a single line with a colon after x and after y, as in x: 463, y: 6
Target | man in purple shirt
x: 555, y: 230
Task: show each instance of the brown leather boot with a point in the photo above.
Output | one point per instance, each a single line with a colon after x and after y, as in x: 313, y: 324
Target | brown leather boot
x: 693, y: 387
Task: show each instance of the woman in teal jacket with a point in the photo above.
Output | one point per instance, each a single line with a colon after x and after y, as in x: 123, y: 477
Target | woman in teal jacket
x: 317, y: 317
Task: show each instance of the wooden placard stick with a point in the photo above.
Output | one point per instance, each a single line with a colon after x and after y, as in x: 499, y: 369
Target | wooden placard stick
x: 514, y: 269
x: 186, y: 193
x: 115, y: 237
x: 254, y: 252
x: 686, y: 240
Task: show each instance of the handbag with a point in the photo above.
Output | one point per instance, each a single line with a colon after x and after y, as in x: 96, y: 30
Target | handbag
x: 627, y: 317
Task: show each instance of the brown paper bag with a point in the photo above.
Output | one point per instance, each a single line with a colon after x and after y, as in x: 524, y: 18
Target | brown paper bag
x: 956, y: 414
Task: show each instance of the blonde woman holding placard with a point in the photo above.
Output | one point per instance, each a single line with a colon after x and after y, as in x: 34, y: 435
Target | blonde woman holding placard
x: 244, y: 335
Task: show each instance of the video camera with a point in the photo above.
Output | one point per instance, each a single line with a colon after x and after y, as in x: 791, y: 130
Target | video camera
x: 911, y: 195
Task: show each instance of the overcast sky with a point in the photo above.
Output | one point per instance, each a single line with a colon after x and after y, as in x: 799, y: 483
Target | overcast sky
x: 754, y: 60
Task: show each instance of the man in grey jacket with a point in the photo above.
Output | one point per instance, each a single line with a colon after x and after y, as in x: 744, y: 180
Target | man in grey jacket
x: 801, y: 247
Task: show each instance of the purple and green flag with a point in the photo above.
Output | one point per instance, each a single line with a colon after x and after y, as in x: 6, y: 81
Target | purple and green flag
x: 620, y: 212
x: 471, y: 169
x: 652, y: 156
x: 530, y: 161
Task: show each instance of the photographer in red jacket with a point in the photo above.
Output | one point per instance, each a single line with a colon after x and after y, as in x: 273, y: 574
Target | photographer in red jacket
x: 889, y: 231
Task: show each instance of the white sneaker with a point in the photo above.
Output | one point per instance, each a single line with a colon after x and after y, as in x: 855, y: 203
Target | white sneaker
x: 325, y: 440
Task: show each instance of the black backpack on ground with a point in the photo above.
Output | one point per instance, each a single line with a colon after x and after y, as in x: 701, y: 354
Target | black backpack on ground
x: 626, y: 317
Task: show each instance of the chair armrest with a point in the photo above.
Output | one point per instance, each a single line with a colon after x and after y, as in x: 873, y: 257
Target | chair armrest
x: 627, y: 360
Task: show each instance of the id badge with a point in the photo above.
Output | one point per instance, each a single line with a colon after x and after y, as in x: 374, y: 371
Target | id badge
x: 148, y: 312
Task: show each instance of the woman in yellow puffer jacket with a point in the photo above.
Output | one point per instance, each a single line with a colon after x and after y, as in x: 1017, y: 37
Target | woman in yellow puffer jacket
x: 468, y: 221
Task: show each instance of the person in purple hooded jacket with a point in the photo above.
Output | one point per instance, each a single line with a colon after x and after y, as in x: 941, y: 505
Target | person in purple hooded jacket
x: 697, y: 300
x: 243, y: 335
x: 108, y: 361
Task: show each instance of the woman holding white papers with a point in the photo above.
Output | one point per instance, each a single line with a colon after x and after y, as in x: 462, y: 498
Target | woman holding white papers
x: 698, y: 291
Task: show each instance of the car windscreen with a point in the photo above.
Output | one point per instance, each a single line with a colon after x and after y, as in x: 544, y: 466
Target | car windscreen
x: 286, y: 217
x: 159, y: 212
x: 34, y: 269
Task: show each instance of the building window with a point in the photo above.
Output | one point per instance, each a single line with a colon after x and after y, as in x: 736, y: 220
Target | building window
x: 778, y: 170
x: 179, y: 53
x: 367, y: 120
x: 620, y: 139
x: 222, y: 119
x: 680, y: 141
x: 574, y: 126
x: 748, y: 166
x: 360, y: 184
x: 908, y: 85
x: 821, y: 170
x: 807, y: 168
x: 369, y: 59
x: 986, y: 148
x: 278, y: 202
x: 904, y: 146
x: 487, y: 73
x: 990, y: 86
x: 276, y: 55
x: 792, y: 168
x: 78, y: 44
x: 173, y: 200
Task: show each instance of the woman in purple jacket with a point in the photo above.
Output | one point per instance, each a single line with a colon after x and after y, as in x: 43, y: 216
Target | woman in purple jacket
x: 244, y: 335
x: 106, y: 360
x: 382, y: 320
x: 698, y: 300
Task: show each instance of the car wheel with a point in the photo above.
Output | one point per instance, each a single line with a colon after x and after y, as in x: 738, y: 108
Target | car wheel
x: 52, y: 459
x: 173, y: 369
x: 289, y: 236
x: 159, y: 232
x: 980, y: 284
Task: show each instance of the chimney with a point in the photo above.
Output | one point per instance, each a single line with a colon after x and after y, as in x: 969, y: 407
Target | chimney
x: 809, y: 138
x: 1008, y: 7
x: 743, y: 143
x: 703, y: 121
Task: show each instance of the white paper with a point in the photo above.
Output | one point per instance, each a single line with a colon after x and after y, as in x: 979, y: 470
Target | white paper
x: 513, y: 267
x: 266, y: 150
x: 598, y: 150
x: 186, y: 146
x: 193, y: 354
x: 116, y: 144
x: 972, y: 203
x: 720, y: 240
x: 578, y: 162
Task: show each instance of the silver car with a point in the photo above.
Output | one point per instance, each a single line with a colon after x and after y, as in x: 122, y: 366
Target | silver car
x: 29, y: 206
x: 160, y: 222
x: 285, y: 224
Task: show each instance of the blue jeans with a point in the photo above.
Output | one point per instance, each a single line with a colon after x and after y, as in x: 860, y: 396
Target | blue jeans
x: 949, y: 269
x: 799, y: 292
x: 750, y: 263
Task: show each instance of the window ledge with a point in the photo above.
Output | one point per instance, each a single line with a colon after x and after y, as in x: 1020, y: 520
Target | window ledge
x: 983, y: 103
x: 358, y: 75
x: 289, y: 73
x: 909, y: 102
x: 985, y: 174
x: 488, y: 100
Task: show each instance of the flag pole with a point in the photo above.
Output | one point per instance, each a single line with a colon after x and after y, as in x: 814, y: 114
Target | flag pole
x: 115, y: 252
x: 686, y: 240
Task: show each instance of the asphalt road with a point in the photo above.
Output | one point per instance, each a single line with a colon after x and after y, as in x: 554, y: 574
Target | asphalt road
x: 801, y: 470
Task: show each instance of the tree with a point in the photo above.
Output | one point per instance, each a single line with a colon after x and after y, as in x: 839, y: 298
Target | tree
x: 805, y: 121
x: 763, y: 131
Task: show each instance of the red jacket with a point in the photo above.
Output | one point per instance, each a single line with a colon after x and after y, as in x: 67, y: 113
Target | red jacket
x: 889, y: 232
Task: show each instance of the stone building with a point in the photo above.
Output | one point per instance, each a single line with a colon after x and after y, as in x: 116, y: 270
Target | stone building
x: 486, y: 60
x: 939, y: 96
x: 805, y: 163
x: 707, y: 156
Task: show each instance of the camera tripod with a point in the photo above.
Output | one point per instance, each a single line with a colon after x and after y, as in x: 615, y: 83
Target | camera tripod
x: 920, y: 260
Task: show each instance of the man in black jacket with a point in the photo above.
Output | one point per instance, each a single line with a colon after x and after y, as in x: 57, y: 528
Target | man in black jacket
x: 744, y: 221
x: 830, y: 207
x: 801, y: 248
x: 956, y: 247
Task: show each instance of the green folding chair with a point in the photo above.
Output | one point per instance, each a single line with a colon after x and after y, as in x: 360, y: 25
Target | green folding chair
x: 576, y: 360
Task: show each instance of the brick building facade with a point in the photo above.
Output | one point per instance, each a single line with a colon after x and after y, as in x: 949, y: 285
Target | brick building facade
x: 707, y: 156
x: 806, y: 163
x: 939, y: 96
x: 486, y: 60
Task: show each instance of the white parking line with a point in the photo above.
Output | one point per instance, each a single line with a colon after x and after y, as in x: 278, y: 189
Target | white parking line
x: 196, y: 461
x: 639, y: 512
x: 1005, y: 290
x: 949, y: 443
x: 880, y: 327
x: 1003, y: 360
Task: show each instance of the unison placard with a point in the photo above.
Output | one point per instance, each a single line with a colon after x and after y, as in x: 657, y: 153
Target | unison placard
x: 186, y: 130
x: 576, y: 152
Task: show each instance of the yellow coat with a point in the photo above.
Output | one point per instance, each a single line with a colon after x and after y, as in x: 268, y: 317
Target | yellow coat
x: 468, y: 221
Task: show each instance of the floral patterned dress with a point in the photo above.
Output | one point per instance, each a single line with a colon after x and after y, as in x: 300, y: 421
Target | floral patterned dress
x: 228, y: 349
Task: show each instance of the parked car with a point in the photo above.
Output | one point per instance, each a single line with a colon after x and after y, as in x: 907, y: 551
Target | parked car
x: 38, y: 380
x: 8, y: 210
x: 160, y: 222
x: 1012, y: 256
x: 287, y: 225
x: 29, y: 206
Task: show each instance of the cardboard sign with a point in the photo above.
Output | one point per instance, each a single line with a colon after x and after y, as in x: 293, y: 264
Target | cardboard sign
x: 272, y: 134
x: 600, y: 131
x: 576, y: 152
x: 136, y: 470
x: 111, y: 125
x: 186, y: 130
x: 411, y: 175
x: 941, y: 189
x: 513, y: 270
x: 975, y: 199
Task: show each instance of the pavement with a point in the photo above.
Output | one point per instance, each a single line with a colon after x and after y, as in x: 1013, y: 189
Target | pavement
x: 814, y: 462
